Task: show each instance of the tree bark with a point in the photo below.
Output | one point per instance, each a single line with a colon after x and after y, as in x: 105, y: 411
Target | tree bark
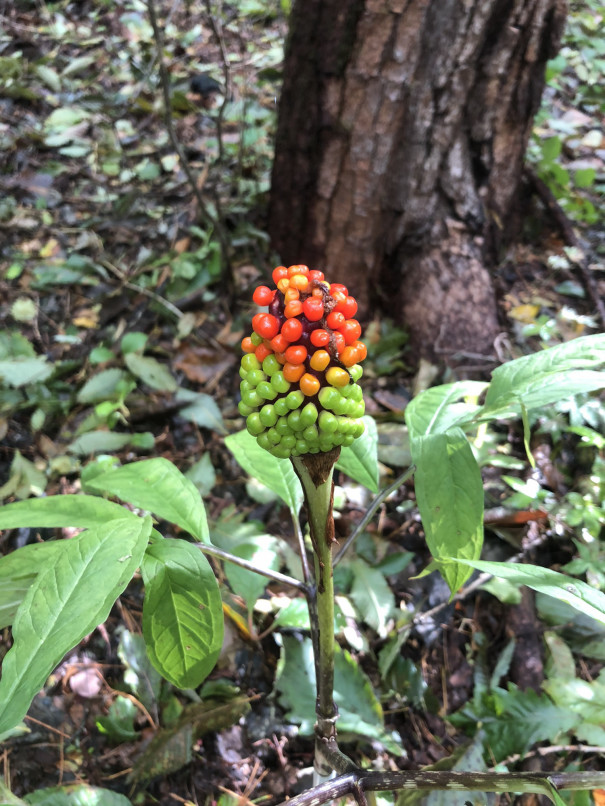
x: 402, y: 130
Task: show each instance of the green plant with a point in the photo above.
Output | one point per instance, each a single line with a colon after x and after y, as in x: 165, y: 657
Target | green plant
x: 57, y: 591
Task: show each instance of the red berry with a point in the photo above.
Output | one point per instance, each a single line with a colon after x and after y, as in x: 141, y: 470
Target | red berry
x: 313, y: 308
x: 335, y: 320
x: 262, y: 295
x: 347, y: 307
x: 351, y: 330
x: 339, y: 340
x: 292, y: 329
x: 279, y: 273
x: 265, y: 325
x: 338, y: 287
x: 318, y: 276
x: 319, y: 338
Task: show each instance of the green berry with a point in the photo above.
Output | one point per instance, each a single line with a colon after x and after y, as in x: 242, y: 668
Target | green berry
x: 243, y: 409
x: 250, y: 362
x: 252, y: 398
x: 274, y: 437
x: 242, y: 373
x: 294, y: 420
x: 308, y: 415
x: 328, y: 396
x: 327, y: 422
x: 281, y: 406
x: 356, y: 371
x: 311, y: 434
x: 301, y: 446
x: 267, y: 415
x: 256, y: 339
x: 282, y: 426
x: 266, y: 391
x: 264, y: 441
x: 255, y: 376
x: 295, y: 399
x: 279, y: 383
x: 341, y: 406
x: 271, y: 365
x: 254, y: 425
x: 281, y: 451
x: 288, y: 441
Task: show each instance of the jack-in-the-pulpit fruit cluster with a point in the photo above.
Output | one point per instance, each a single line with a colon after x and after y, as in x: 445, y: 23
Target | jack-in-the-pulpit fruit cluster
x: 301, y: 365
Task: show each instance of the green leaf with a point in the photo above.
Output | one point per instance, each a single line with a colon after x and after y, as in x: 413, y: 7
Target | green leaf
x: 119, y: 722
x: 102, y: 386
x: 202, y: 410
x: 182, y: 612
x: 76, y: 795
x: 543, y: 378
x: 276, y: 474
x: 69, y: 598
x: 260, y: 550
x: 102, y: 442
x: 21, y: 371
x: 360, y: 712
x: 514, y: 720
x: 151, y: 372
x: 449, y: 492
x: 579, y: 595
x: 372, y: 596
x: 157, y: 486
x: 360, y: 460
x: 58, y: 511
x: 139, y: 674
x: 436, y: 409
x: 12, y: 593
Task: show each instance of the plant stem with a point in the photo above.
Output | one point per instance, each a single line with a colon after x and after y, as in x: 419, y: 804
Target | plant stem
x: 315, y: 473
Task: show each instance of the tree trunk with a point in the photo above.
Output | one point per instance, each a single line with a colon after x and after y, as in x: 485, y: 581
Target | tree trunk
x: 402, y: 130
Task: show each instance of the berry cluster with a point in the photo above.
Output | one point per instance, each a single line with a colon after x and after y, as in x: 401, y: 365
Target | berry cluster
x: 301, y: 366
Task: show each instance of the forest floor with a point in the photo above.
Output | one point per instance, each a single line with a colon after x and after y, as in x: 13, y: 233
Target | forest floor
x: 113, y: 285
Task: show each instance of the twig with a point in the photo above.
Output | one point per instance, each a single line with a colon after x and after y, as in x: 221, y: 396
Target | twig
x: 372, y: 509
x: 276, y: 576
x: 169, y: 122
x: 218, y: 34
x: 145, y: 291
x: 371, y: 781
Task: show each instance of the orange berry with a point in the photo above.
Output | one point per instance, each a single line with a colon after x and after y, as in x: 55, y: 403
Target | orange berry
x: 283, y: 284
x: 349, y: 356
x: 299, y: 281
x: 320, y: 360
x: 362, y: 350
x: 298, y: 269
x: 296, y: 354
x: 281, y: 357
x: 293, y: 372
x: 261, y: 352
x: 278, y: 344
x: 248, y: 345
x: 290, y: 294
x: 293, y: 308
x: 318, y: 276
x: 309, y: 385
